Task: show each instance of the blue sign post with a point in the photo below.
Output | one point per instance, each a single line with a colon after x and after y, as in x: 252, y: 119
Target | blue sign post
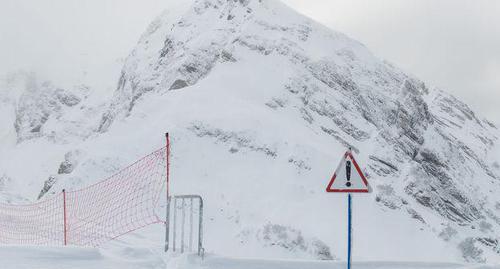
x: 349, y: 230
x: 344, y: 180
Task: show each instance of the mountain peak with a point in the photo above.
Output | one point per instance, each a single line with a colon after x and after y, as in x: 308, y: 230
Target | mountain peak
x: 179, y: 48
x: 256, y: 76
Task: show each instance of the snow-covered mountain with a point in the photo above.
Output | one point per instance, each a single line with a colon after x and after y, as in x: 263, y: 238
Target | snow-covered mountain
x: 261, y: 103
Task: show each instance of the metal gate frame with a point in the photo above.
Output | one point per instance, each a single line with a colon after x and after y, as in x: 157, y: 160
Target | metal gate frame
x: 183, y: 199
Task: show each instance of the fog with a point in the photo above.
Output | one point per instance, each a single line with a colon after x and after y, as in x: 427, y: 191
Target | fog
x: 454, y: 45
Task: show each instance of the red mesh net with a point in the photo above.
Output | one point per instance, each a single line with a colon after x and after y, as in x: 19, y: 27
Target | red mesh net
x: 91, y: 216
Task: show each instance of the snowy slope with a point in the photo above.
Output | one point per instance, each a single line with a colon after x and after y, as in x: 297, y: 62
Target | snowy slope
x: 261, y: 103
x: 74, y: 258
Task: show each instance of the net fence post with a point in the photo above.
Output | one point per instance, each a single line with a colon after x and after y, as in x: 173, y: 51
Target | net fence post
x: 65, y: 218
x: 167, y: 137
x: 167, y: 186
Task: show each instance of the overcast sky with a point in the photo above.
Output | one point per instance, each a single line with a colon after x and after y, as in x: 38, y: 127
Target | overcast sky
x: 451, y: 44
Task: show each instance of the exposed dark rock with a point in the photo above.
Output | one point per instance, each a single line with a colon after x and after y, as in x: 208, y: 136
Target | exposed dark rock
x: 457, y: 109
x: 227, y: 56
x: 324, y: 109
x: 414, y: 214
x: 65, y: 168
x: 178, y: 84
x: 67, y: 98
x: 336, y: 135
x: 238, y: 140
x: 276, y: 103
x: 306, y: 115
x: 430, y: 161
x: 328, y: 73
x: 36, y: 129
x: 386, y: 168
x: 47, y: 185
x: 490, y: 242
x: 167, y: 47
x: 440, y: 194
x: 106, y: 121
x: 70, y: 162
x: 191, y: 68
x: 254, y: 47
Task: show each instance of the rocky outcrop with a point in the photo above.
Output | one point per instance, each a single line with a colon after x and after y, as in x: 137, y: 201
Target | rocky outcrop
x: 47, y: 185
x: 41, y: 109
x: 37, y: 105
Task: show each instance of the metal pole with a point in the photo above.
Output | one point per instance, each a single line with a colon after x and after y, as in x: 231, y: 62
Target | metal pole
x: 349, y: 230
x: 167, y: 137
x: 65, y: 218
x: 200, y: 228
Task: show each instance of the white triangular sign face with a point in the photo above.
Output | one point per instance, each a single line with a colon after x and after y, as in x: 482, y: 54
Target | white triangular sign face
x: 348, y: 177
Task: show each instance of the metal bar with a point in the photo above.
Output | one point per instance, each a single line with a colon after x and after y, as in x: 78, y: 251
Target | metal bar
x: 190, y: 224
x: 187, y: 196
x: 167, y: 224
x: 349, y: 230
x: 65, y: 219
x: 183, y: 207
x: 200, y: 228
x: 175, y: 224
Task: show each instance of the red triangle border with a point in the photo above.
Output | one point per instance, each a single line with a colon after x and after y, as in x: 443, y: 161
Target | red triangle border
x: 329, y: 187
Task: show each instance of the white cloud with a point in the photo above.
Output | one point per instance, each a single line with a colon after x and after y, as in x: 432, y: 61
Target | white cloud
x: 72, y: 41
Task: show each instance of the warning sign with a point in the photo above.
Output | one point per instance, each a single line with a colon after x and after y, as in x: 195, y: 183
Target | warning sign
x: 348, y: 177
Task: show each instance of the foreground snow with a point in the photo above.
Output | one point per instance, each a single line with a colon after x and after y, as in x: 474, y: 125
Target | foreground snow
x: 19, y: 257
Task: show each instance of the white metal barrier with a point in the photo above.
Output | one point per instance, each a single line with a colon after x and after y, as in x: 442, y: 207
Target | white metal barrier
x: 180, y: 215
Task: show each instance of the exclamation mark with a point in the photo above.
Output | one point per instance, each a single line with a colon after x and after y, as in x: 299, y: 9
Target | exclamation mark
x: 348, y: 173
